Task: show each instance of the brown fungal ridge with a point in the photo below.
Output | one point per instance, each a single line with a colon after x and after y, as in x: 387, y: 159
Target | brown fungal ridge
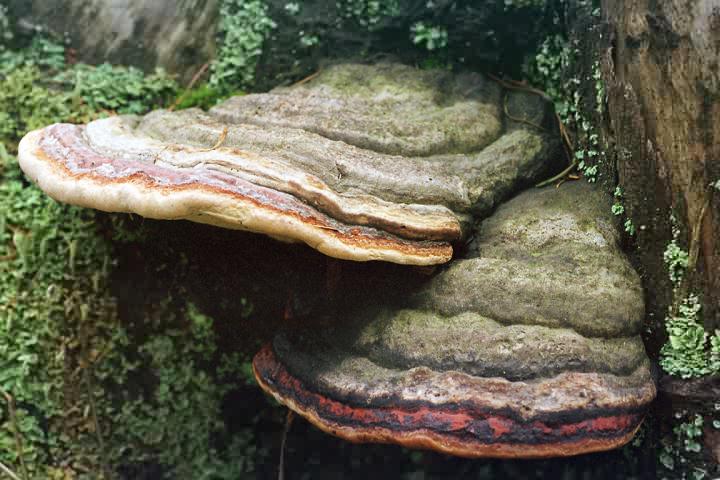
x: 574, y: 396
x: 447, y: 428
x: 64, y: 151
x: 426, y: 223
x: 408, y: 338
x: 227, y: 186
x: 412, y: 221
x: 424, y: 97
x: 568, y: 416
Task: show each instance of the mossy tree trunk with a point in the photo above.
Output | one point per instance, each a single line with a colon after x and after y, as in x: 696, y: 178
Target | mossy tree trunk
x: 662, y: 74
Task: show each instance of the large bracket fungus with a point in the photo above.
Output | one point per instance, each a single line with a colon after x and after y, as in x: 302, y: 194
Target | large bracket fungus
x: 382, y: 162
x: 528, y: 348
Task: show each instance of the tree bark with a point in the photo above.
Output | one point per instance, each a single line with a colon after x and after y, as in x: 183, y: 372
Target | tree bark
x: 662, y: 75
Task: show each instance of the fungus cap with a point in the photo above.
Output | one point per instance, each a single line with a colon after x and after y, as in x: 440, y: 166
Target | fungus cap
x: 362, y: 163
x: 528, y: 348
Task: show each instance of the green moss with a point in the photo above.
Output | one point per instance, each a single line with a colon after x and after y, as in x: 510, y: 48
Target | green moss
x: 243, y: 27
x: 117, y: 89
x: 25, y: 105
x: 92, y: 394
x: 38, y: 89
x: 55, y: 313
x: 204, y: 96
x: 177, y: 423
x: 65, y: 357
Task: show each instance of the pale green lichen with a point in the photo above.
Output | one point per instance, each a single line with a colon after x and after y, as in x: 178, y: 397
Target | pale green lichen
x: 550, y: 69
x: 685, y: 444
x: 685, y: 353
x: 675, y: 257
x: 689, y: 351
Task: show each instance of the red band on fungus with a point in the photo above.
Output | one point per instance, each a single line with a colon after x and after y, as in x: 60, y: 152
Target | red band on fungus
x: 444, y: 428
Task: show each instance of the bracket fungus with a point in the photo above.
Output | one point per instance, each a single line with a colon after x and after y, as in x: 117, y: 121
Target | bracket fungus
x: 527, y: 348
x: 363, y: 162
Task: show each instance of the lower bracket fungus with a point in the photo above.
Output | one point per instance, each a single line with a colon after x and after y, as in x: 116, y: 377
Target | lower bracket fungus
x: 382, y: 162
x: 527, y: 348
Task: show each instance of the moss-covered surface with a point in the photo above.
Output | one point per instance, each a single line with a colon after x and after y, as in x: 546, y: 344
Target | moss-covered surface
x: 56, y: 316
x: 91, y: 387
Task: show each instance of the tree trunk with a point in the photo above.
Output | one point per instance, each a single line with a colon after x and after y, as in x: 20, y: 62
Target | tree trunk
x: 178, y: 35
x: 662, y: 76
